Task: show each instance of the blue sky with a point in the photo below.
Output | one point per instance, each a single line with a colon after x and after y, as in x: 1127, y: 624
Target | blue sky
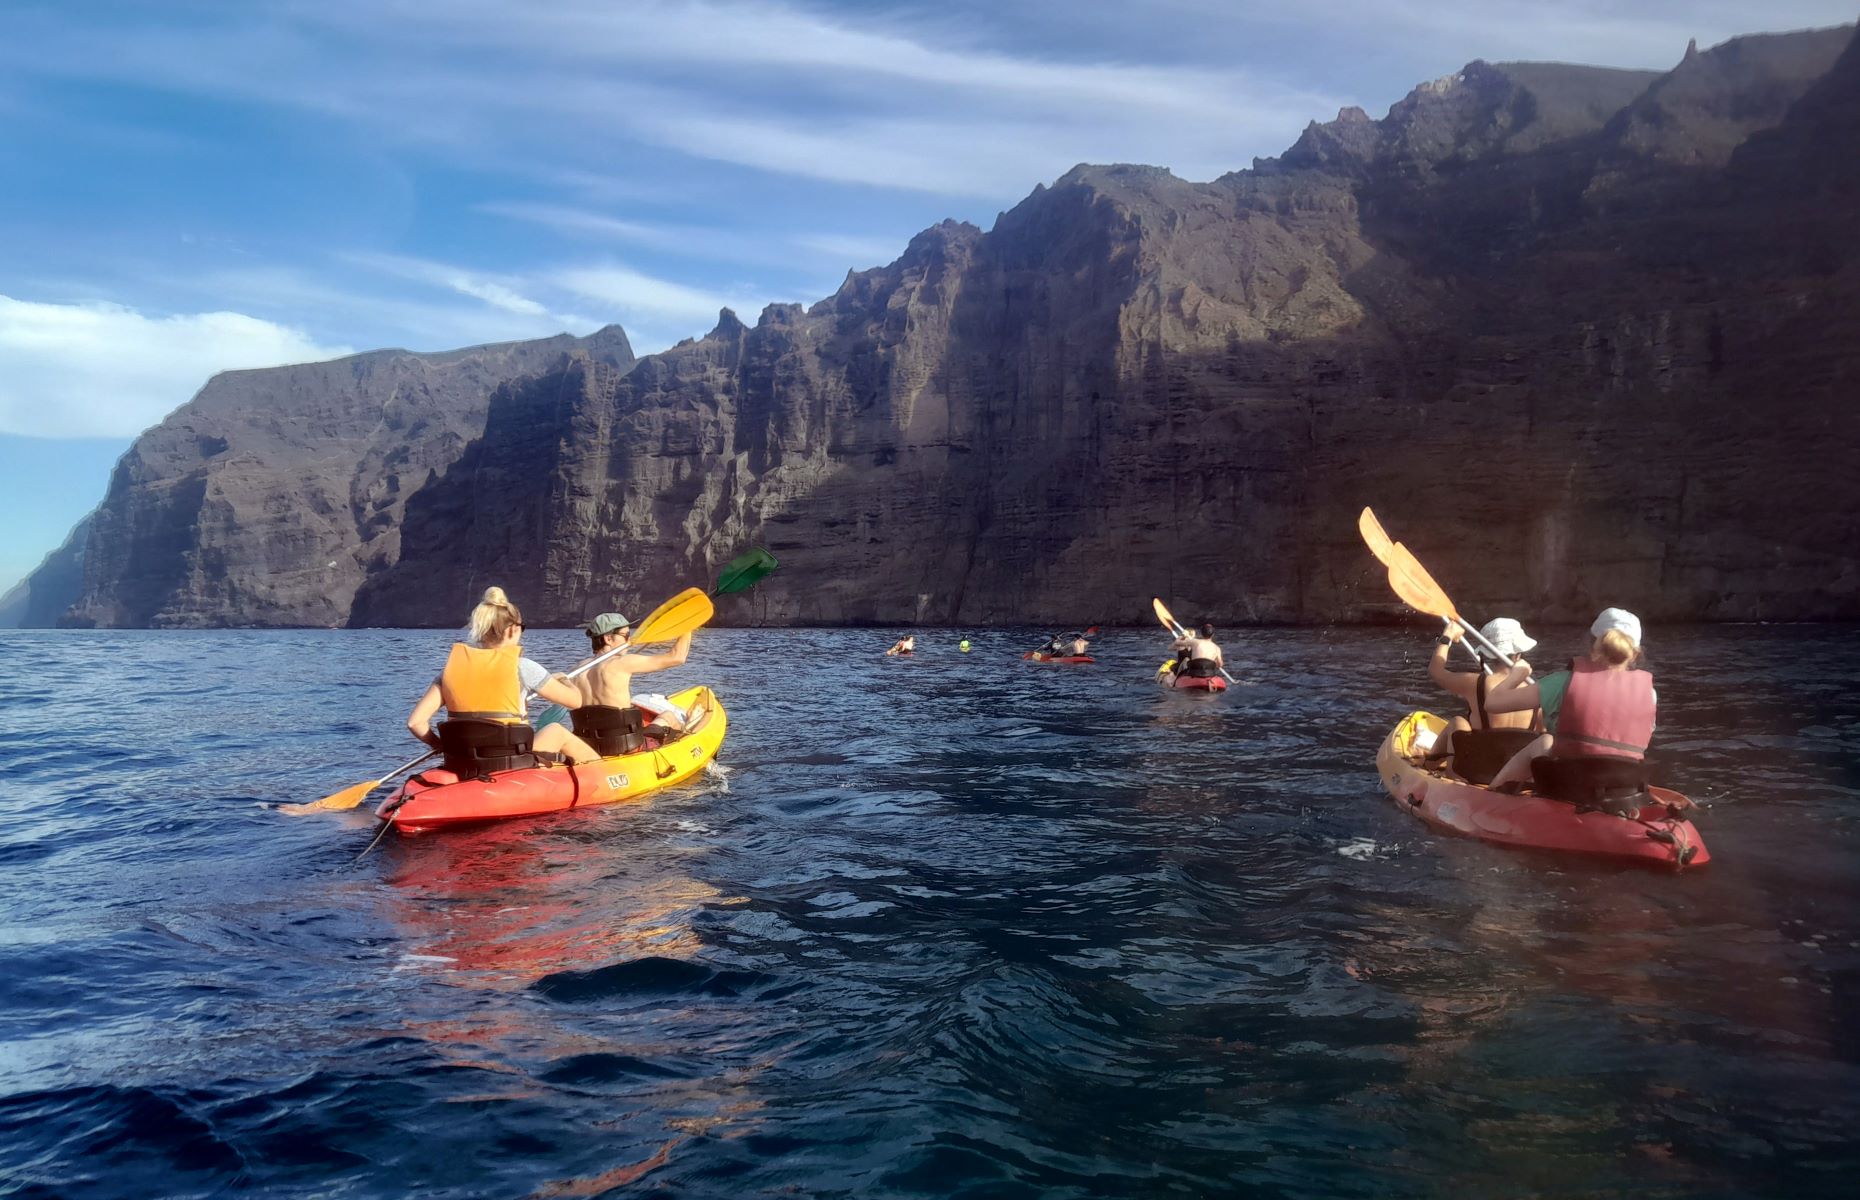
x: 196, y: 185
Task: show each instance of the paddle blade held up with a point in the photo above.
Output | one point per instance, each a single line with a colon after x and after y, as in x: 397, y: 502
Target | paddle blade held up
x: 1376, y: 538
x: 1411, y: 582
x: 689, y: 610
x: 1168, y: 619
x: 744, y: 572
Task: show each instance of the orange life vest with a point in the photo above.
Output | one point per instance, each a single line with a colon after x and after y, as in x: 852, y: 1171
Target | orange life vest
x: 482, y: 683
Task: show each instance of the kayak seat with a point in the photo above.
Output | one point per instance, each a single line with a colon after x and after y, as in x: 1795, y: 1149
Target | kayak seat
x: 1615, y: 785
x: 1479, y: 754
x: 611, y: 731
x: 1200, y: 668
x: 473, y: 749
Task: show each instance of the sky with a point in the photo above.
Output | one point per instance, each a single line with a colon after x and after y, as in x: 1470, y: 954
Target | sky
x: 200, y: 185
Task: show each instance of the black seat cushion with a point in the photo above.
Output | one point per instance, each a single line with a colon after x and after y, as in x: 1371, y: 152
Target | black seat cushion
x: 1589, y: 780
x: 473, y: 748
x: 611, y: 731
x: 1479, y: 754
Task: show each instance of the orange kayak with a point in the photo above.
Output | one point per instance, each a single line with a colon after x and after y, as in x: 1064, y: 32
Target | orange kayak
x: 436, y: 798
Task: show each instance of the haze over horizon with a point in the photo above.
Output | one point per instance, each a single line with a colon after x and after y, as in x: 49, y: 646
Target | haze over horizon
x: 201, y: 189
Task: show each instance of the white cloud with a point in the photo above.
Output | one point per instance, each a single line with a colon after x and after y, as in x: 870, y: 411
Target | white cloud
x: 103, y: 370
x: 767, y: 86
x: 632, y: 292
x: 851, y: 250
x: 824, y: 253
x: 499, y: 292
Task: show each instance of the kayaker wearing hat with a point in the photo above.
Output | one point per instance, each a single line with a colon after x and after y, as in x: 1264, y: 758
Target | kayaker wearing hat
x: 607, y: 718
x: 1600, y: 714
x: 483, y: 691
x: 1484, y: 740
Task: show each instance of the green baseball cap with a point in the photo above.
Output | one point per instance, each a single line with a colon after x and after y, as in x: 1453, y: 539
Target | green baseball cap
x: 607, y: 623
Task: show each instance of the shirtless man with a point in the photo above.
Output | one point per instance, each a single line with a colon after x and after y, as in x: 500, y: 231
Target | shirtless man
x: 1196, y: 655
x: 607, y: 690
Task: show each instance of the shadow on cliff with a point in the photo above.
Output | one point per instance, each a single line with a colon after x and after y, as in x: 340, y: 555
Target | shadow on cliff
x: 1573, y: 360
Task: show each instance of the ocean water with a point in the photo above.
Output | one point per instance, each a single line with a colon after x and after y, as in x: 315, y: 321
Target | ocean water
x: 950, y: 926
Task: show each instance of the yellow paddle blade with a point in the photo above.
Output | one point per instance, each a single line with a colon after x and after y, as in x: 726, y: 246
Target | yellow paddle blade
x: 1416, y: 587
x: 348, y: 797
x: 688, y: 610
x: 1163, y: 615
x: 1376, y: 537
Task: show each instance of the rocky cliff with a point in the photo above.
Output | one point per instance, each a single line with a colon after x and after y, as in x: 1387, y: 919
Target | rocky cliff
x: 271, y: 495
x: 1581, y: 336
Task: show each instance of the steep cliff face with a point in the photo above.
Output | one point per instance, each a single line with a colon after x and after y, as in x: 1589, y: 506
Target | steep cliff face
x: 1584, y: 337
x: 270, y: 496
x: 40, y: 599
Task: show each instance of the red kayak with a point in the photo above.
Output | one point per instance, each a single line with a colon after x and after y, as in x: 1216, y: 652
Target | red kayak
x: 1193, y: 683
x: 1657, y: 835
x: 1042, y: 656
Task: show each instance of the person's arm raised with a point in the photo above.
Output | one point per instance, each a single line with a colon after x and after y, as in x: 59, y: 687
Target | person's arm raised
x: 646, y: 664
x: 1448, y: 681
x: 1514, y: 691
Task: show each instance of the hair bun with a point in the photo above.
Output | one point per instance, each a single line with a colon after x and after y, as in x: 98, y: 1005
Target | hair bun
x: 495, y: 595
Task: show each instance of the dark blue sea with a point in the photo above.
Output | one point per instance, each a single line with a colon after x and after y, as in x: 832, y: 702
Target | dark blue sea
x: 952, y: 926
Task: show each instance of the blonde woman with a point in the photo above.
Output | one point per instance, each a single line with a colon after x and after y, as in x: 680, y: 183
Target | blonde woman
x: 1599, y: 712
x: 482, y: 689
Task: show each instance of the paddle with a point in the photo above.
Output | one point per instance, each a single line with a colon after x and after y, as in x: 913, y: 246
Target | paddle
x: 1411, y: 582
x: 352, y: 795
x: 687, y: 611
x: 744, y: 572
x: 1173, y: 626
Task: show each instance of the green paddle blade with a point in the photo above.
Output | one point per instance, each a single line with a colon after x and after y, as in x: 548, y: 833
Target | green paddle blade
x: 744, y: 571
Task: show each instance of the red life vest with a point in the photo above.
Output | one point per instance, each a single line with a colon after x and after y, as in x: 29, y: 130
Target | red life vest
x: 1605, y: 714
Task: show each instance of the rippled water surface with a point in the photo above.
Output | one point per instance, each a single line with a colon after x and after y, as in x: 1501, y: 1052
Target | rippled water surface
x: 952, y: 926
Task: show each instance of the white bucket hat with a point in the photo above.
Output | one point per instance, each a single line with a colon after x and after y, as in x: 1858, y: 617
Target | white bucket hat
x: 1507, y: 636
x: 1617, y: 618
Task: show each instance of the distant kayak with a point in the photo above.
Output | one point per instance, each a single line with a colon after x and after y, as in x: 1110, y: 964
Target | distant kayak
x: 1062, y: 659
x: 434, y: 798
x: 1655, y: 836
x: 1169, y: 679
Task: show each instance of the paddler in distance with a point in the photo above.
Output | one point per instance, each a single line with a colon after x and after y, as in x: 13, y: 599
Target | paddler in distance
x: 482, y: 689
x: 1197, y: 655
x: 904, y: 645
x: 606, y: 716
x: 1481, y: 742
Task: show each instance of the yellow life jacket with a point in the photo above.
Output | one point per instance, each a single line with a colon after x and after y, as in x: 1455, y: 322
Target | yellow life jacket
x: 482, y: 683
